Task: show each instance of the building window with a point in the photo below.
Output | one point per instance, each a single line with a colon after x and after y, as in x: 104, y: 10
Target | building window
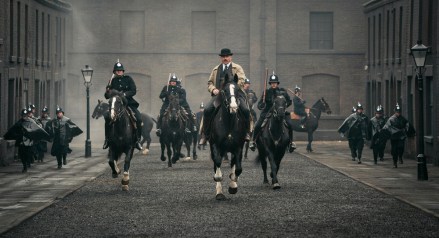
x: 48, y: 40
x: 11, y: 28
x: 393, y: 34
x: 42, y: 37
x: 18, y: 31
x: 321, y: 30
x: 387, y: 36
x: 26, y: 33
x: 400, y: 36
x: 36, y: 36
x: 429, y: 106
x: 379, y: 38
x: 373, y: 41
x: 368, y: 41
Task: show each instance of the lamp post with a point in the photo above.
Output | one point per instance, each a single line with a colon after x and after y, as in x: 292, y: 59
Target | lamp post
x: 87, y: 73
x: 419, y: 53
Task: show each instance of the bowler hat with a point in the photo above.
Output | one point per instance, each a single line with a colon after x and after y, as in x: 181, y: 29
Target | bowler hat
x: 225, y: 52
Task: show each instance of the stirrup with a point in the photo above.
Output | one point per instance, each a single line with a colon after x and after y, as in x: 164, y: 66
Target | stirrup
x: 138, y: 145
x: 252, y: 145
x: 292, y: 147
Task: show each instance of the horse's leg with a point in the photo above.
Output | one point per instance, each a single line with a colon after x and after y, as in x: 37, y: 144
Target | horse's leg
x: 263, y: 159
x: 162, y: 156
x: 246, y: 150
x: 310, y: 139
x: 113, y: 165
x: 126, y: 169
x: 236, y: 159
x: 169, y: 150
x: 194, y: 145
x: 176, y: 147
x: 274, y: 169
x: 218, y: 176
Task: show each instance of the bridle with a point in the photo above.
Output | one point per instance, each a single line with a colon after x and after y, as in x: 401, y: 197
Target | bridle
x: 116, y: 113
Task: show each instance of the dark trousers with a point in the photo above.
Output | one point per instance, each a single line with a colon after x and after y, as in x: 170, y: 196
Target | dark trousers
x: 397, y: 149
x: 356, y: 145
x: 25, y: 153
x: 378, y: 151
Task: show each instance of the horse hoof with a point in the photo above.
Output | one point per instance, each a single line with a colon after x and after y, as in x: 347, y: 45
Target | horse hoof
x: 217, y: 179
x: 195, y: 157
x: 114, y: 175
x: 233, y: 190
x: 125, y: 187
x: 163, y: 158
x: 276, y: 186
x: 174, y: 160
x: 145, y: 151
x: 220, y: 197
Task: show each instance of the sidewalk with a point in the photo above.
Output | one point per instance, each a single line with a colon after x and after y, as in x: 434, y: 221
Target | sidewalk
x: 401, y: 183
x: 25, y: 194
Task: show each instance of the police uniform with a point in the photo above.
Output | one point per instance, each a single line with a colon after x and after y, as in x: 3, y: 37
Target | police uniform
x: 42, y: 145
x: 355, y: 126
x: 398, y: 128
x: 220, y: 76
x: 378, y: 142
x: 299, y: 106
x: 24, y: 143
x: 251, y: 97
x: 125, y: 85
x: 265, y: 104
x: 179, y: 91
x: 57, y: 129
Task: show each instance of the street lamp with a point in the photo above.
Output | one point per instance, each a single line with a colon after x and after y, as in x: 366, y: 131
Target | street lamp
x: 87, y: 73
x: 419, y: 53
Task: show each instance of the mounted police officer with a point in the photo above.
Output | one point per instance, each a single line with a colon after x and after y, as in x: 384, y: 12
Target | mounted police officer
x: 265, y: 104
x: 251, y: 99
x: 355, y: 126
x: 221, y: 75
x: 399, y: 128
x: 299, y: 106
x: 173, y: 89
x: 185, y: 105
x: 378, y: 142
x: 124, y: 84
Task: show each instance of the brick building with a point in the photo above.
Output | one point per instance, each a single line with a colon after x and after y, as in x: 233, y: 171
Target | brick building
x: 317, y: 45
x: 32, y: 56
x: 393, y: 27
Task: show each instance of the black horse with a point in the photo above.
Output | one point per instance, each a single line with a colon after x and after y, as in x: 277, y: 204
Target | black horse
x: 173, y: 131
x: 191, y: 139
x: 148, y: 122
x: 312, y: 122
x: 273, y: 140
x: 122, y: 136
x: 227, y: 136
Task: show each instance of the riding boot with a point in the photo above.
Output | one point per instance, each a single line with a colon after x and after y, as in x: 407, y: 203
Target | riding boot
x: 252, y: 144
x: 292, y: 145
x: 302, y: 121
x: 106, y: 144
x: 158, y: 131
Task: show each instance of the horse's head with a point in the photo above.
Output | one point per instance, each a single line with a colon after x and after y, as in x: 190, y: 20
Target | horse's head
x: 118, y: 105
x: 99, y: 109
x: 229, y: 96
x: 325, y: 106
x: 279, y: 106
x: 174, y: 107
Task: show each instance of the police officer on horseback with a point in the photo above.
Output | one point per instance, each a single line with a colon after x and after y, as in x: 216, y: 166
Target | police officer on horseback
x: 299, y: 106
x: 125, y: 85
x: 220, y: 76
x: 265, y: 104
x: 177, y: 90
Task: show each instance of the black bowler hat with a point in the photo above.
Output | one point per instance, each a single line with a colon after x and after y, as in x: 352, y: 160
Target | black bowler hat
x: 225, y: 52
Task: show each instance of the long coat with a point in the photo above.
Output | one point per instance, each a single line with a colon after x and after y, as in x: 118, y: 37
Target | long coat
x: 236, y: 69
x: 355, y: 126
x: 125, y: 85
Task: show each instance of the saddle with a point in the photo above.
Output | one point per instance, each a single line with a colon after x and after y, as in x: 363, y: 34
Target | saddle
x: 294, y: 116
x: 132, y: 117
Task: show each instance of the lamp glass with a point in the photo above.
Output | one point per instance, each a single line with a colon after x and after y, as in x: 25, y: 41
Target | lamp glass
x: 419, y: 52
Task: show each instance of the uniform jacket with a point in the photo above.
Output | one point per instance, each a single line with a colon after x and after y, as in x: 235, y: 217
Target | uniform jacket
x: 235, y: 69
x: 374, y: 129
x: 174, y: 90
x: 270, y: 94
x: 23, y: 139
x: 125, y: 85
x: 299, y: 106
x: 355, y: 126
x: 251, y: 96
x: 62, y: 131
x: 398, y: 128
